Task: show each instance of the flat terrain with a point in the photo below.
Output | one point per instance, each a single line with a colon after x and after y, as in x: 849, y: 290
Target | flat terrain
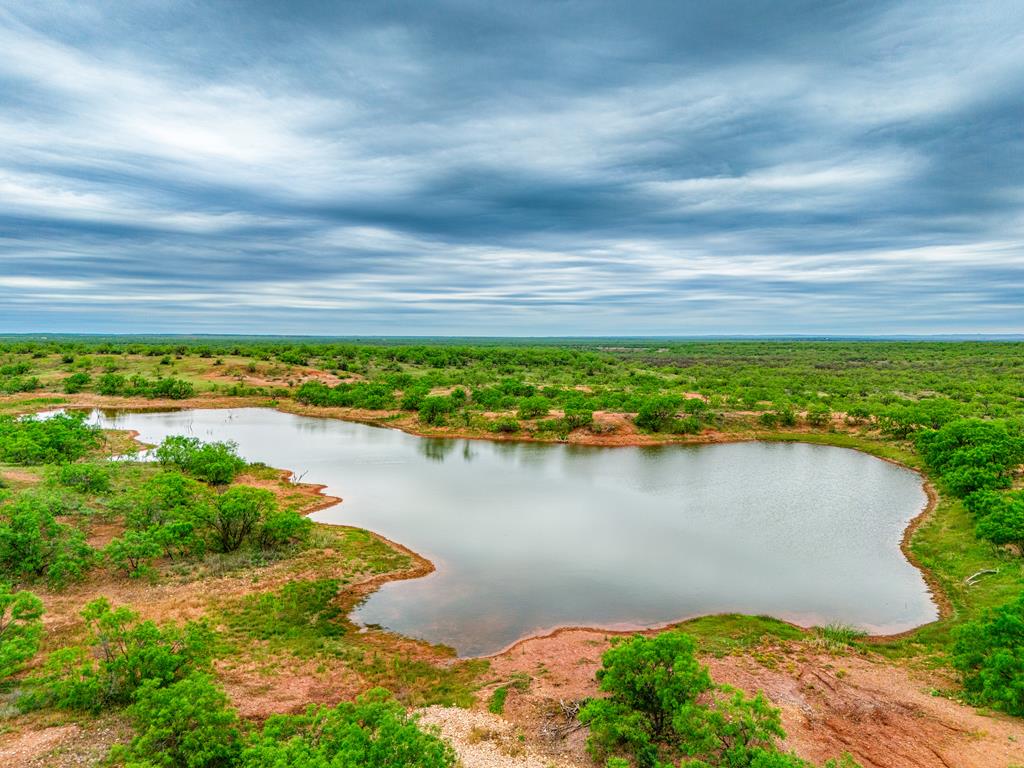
x: 893, y: 702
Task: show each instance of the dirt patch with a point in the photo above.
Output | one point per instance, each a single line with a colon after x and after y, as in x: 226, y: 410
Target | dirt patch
x: 20, y: 478
x: 279, y: 377
x: 885, y: 714
x: 35, y: 741
x: 483, y: 740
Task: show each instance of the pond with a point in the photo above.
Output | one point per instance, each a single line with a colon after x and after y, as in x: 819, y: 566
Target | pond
x: 528, y: 537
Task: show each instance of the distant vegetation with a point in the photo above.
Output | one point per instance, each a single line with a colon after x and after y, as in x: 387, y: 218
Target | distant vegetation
x: 953, y: 409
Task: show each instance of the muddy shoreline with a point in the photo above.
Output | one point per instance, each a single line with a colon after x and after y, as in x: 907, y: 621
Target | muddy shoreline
x: 424, y: 566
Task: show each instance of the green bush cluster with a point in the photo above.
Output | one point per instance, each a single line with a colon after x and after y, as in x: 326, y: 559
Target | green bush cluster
x: 84, y: 477
x: 34, y: 545
x: 989, y: 654
x: 114, y: 384
x: 662, y: 414
x: 21, y: 626
x: 662, y: 709
x: 61, y: 438
x: 216, y: 463
x: 976, y: 460
x: 177, y: 517
x: 374, y: 397
x: 972, y: 454
x: 76, y: 382
x: 123, y: 655
x: 190, y: 723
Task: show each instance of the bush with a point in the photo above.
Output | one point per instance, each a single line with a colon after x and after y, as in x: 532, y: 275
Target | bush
x: 657, y: 413
x: 236, y: 514
x: 76, y: 382
x: 134, y: 552
x: 663, y: 709
x: 34, y: 544
x: 972, y: 455
x: 1002, y: 521
x: 111, y: 384
x: 373, y: 732
x: 188, y: 723
x: 649, y: 681
x: 216, y: 463
x: 433, y: 409
x: 61, y: 438
x: 533, y: 408
x: 989, y: 655
x: 280, y: 528
x: 170, y: 508
x: 819, y: 416
x: 578, y: 417
x: 20, y: 628
x: 125, y: 654
x: 85, y: 478
x: 504, y: 424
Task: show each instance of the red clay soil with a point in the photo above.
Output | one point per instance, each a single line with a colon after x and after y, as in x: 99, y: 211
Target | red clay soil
x: 881, y: 712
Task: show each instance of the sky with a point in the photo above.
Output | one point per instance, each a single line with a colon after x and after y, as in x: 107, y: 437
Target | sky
x: 513, y: 168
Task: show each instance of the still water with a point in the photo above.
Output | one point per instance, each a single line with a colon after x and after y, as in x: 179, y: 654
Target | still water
x: 528, y: 537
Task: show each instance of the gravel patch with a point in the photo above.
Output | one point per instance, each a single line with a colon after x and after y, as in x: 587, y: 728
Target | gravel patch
x: 484, y: 740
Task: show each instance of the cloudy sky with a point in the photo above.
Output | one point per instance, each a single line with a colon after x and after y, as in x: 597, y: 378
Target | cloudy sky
x: 512, y: 168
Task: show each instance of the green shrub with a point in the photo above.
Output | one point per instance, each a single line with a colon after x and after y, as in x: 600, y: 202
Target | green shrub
x: 33, y: 544
x: 972, y: 455
x: 61, y: 438
x: 216, y: 463
x: 188, y: 723
x: 124, y: 654
x: 533, y: 407
x: 503, y: 424
x: 989, y: 654
x: 578, y: 417
x: 85, y: 478
x: 1002, y: 521
x: 236, y: 514
x: 280, y: 528
x: 649, y: 681
x: 663, y: 708
x: 111, y: 384
x: 169, y: 508
x: 373, y: 732
x: 433, y: 409
x: 21, y: 626
x: 134, y: 552
x: 76, y: 382
x: 657, y: 413
x: 819, y: 416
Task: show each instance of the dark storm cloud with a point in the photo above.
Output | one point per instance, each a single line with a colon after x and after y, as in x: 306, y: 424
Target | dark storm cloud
x: 553, y: 168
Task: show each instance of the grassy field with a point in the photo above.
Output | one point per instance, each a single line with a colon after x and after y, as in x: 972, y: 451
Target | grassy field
x: 282, y: 617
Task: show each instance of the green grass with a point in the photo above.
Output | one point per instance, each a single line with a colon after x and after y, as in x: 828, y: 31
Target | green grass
x: 836, y: 637
x: 303, y: 618
x: 496, y: 703
x: 730, y: 633
x: 419, y: 683
x: 25, y: 405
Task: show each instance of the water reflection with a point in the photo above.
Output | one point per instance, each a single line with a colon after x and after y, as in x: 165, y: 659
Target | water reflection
x: 528, y: 537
